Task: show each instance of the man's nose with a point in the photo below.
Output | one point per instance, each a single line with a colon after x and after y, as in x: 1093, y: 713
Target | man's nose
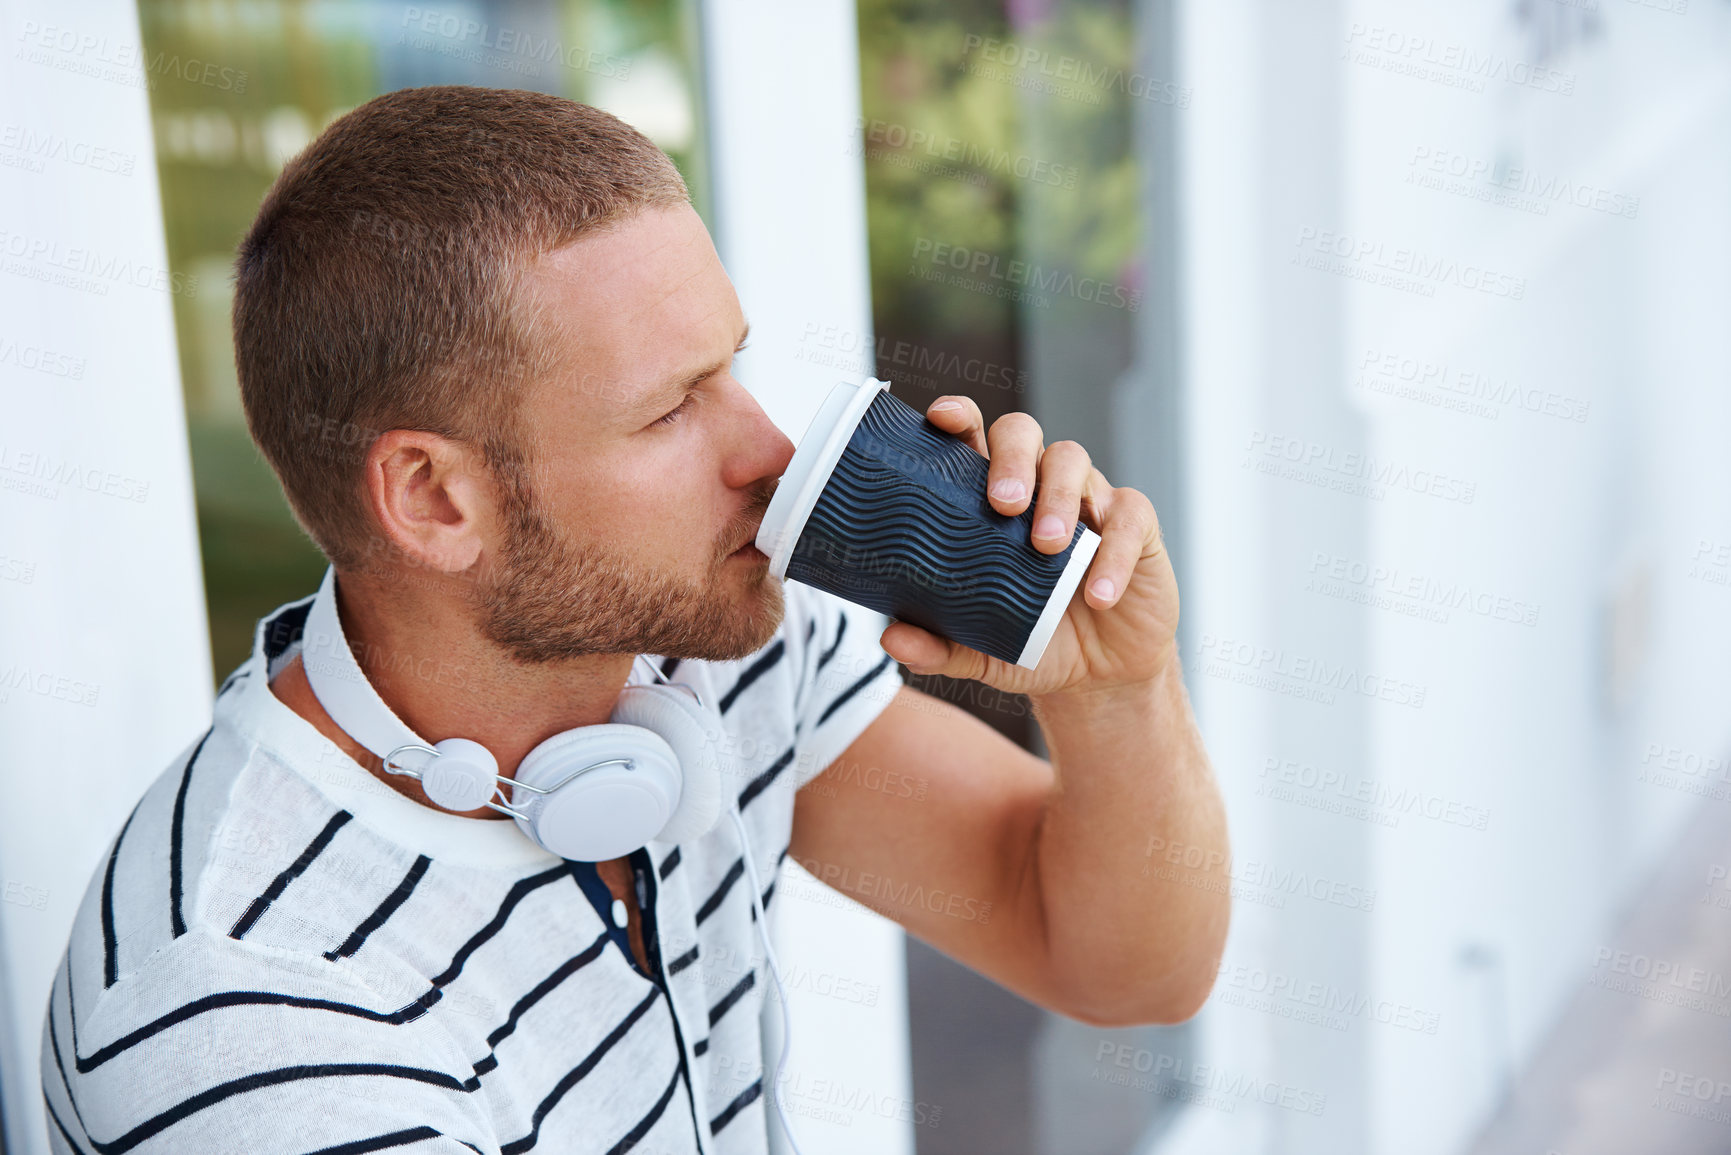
x: 784, y: 447
x: 771, y: 449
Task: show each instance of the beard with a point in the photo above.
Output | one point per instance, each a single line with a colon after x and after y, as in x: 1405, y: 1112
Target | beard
x: 546, y: 599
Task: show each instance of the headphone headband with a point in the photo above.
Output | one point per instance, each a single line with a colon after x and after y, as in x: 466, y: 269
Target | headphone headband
x: 340, y: 686
x: 590, y: 793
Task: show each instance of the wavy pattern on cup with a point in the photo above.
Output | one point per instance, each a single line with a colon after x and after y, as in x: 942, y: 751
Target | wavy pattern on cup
x: 959, y: 569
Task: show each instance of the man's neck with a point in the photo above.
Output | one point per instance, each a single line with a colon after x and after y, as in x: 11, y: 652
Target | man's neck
x: 444, y: 680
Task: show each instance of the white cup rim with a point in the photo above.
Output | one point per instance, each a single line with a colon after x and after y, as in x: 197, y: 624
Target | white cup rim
x: 1058, y: 601
x: 814, y: 460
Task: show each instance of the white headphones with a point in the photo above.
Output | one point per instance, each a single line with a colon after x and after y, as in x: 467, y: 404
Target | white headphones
x: 649, y: 774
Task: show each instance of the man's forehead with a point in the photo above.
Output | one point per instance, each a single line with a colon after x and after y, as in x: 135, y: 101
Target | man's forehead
x: 631, y: 270
x: 635, y: 308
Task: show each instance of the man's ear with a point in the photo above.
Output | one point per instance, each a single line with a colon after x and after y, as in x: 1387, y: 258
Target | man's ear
x: 431, y: 497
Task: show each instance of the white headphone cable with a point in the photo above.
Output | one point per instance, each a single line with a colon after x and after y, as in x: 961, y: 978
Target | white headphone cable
x: 746, y: 855
x: 774, y: 1089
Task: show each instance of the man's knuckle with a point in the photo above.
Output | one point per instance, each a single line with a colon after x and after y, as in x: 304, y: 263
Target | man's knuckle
x: 1053, y: 497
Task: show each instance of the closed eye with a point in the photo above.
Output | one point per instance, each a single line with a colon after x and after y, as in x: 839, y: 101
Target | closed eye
x: 673, y: 414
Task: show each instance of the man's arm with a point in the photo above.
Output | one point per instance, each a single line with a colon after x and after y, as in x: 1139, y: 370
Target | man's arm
x: 1037, y: 874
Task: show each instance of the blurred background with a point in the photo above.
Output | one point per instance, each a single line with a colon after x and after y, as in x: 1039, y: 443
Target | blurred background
x: 1411, y: 317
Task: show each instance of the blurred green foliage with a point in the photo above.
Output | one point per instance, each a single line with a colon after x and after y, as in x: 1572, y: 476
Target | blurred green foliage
x: 973, y: 139
x: 932, y: 84
x: 911, y: 75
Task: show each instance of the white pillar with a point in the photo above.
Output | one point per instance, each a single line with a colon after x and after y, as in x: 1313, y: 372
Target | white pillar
x: 789, y: 200
x: 104, y: 655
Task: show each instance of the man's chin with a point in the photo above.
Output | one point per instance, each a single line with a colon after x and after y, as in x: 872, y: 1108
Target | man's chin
x: 731, y: 615
x: 760, y: 619
x: 727, y: 628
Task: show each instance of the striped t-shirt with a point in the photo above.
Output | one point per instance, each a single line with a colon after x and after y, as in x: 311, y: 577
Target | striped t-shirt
x: 280, y: 954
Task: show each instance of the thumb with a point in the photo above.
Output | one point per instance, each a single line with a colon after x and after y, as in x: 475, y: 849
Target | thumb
x: 924, y: 652
x: 919, y: 650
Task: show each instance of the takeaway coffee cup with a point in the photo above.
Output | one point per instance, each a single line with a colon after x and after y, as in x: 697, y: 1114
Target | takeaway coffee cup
x: 886, y: 510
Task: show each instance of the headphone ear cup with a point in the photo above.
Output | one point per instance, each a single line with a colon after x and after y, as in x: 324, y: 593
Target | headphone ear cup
x: 692, y: 731
x: 608, y: 810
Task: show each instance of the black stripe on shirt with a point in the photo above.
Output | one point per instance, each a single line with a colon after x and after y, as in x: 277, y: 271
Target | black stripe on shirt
x: 757, y: 785
x: 238, y: 674
x: 753, y: 672
x: 700, y: 1047
x: 805, y: 657
x: 186, y: 1108
x: 386, y: 1142
x: 519, y: 890
x: 667, y: 668
x: 110, y: 946
x: 64, y: 1133
x: 59, y: 1063
x: 405, y: 1014
x: 840, y: 632
x: 295, y: 869
x: 577, y: 1074
x: 731, y: 997
x: 853, y: 689
x: 636, y: 1134
x: 289, y: 1074
x: 560, y: 973
x: 740, y: 1102
x: 385, y: 910
x: 390, y: 1018
x: 176, y: 922
x: 770, y: 889
x: 682, y: 961
x: 714, y: 900
x: 667, y: 865
x: 284, y: 630
x: 216, y: 1002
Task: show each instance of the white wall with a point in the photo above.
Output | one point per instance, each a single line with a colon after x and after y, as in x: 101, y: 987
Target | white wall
x: 104, y: 659
x: 1312, y: 118
x: 789, y: 185
x: 1594, y: 521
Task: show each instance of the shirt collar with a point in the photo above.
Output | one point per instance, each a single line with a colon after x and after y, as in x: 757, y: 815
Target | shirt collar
x: 259, y: 715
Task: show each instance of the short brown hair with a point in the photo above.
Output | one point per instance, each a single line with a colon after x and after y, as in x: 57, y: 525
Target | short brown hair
x: 375, y: 289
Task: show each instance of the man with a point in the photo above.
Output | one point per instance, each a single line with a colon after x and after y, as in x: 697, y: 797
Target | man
x: 486, y: 345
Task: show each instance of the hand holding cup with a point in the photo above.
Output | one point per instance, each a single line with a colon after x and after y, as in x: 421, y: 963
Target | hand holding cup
x: 929, y: 521
x: 1121, y: 629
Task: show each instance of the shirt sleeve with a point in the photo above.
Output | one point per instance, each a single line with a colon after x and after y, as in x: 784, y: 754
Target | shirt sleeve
x: 847, y: 679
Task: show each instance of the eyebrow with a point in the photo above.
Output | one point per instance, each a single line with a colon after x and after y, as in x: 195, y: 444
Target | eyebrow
x: 676, y: 389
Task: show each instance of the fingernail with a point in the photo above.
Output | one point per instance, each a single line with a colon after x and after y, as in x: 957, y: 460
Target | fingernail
x: 945, y: 406
x: 1009, y: 489
x: 1102, y: 589
x: 1049, y: 526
